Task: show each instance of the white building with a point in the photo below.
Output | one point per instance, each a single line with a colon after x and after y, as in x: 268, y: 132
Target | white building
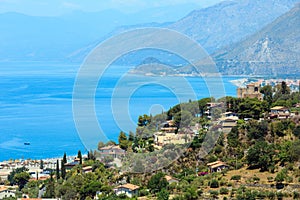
x: 129, y: 189
x: 5, y: 192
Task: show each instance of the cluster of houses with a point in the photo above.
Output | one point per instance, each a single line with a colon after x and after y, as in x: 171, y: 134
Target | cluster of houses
x: 114, y: 151
x: 6, y: 167
x: 169, y: 134
x: 252, y: 90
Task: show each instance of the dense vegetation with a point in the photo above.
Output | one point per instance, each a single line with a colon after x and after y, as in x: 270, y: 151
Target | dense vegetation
x: 263, y: 156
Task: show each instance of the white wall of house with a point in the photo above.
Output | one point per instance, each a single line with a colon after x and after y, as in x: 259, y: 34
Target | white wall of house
x: 7, y: 193
x: 126, y: 191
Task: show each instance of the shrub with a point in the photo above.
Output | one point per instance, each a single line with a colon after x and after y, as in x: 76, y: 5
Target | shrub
x: 218, y: 149
x: 236, y: 177
x: 271, y: 195
x: 256, y: 179
x: 296, y: 195
x: 250, y: 195
x: 214, y: 193
x: 224, y: 191
x: 279, y: 195
x: 289, y: 179
x: 290, y: 166
x: 143, y: 192
x: 178, y: 198
x: 262, y: 195
x: 224, y: 171
x: 270, y: 178
x: 199, y: 192
x: 281, y: 176
x: 239, y: 165
x: 172, y: 186
x: 191, y: 193
x: 223, y: 182
x: 214, y: 183
x: 163, y: 195
x: 271, y: 168
x: 212, y: 158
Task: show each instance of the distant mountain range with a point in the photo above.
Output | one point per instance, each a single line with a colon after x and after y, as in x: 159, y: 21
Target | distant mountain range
x: 230, y: 21
x: 62, y: 38
x: 243, y: 36
x: 272, y: 51
x: 223, y: 24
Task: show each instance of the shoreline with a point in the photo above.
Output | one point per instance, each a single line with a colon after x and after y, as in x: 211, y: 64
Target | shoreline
x: 45, y: 160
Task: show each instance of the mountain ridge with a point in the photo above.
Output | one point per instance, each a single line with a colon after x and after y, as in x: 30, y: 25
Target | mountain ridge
x: 230, y: 21
x: 273, y: 50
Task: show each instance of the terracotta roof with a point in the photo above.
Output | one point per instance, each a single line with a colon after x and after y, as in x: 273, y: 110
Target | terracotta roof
x: 129, y: 186
x: 3, y: 189
x: 169, y: 178
x: 4, y: 173
x: 31, y: 199
x: 216, y: 164
x: 232, y: 118
x: 278, y: 108
x: 87, y: 168
x: 229, y: 124
x: 111, y: 147
x: 43, y: 178
x: 213, y: 163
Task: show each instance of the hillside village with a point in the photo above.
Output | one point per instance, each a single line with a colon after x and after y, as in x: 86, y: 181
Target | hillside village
x: 255, y: 156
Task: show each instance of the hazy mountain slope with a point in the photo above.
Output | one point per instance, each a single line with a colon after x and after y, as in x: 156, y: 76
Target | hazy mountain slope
x: 230, y: 21
x: 220, y: 25
x: 35, y: 38
x: 273, y: 50
x: 71, y: 37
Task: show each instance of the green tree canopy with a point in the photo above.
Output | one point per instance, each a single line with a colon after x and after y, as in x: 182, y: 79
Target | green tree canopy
x: 183, y: 118
x: 157, y: 182
x: 144, y: 120
x: 261, y: 155
x: 267, y: 91
x: 21, y: 179
x: 123, y: 142
x: 10, y: 177
x: 163, y: 195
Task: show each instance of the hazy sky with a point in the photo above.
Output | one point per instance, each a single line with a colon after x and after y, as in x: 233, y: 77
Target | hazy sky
x: 59, y: 7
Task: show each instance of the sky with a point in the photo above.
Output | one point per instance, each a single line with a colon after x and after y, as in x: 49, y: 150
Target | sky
x: 61, y: 7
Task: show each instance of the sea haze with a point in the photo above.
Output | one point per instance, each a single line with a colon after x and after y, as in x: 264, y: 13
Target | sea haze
x: 36, y: 106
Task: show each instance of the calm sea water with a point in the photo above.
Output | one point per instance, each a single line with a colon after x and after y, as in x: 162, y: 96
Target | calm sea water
x: 36, y: 106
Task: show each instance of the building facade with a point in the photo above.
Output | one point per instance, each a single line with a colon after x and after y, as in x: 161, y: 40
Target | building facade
x: 252, y: 90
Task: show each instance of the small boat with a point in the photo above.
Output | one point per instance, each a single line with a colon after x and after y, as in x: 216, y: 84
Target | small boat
x: 26, y: 143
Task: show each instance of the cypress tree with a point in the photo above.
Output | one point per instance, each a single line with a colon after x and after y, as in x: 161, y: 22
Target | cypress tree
x: 63, y: 169
x: 57, y: 170
x: 65, y: 158
x: 80, y: 157
x: 41, y: 164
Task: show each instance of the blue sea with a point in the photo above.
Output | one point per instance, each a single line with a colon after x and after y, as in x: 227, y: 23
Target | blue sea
x: 36, y: 105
